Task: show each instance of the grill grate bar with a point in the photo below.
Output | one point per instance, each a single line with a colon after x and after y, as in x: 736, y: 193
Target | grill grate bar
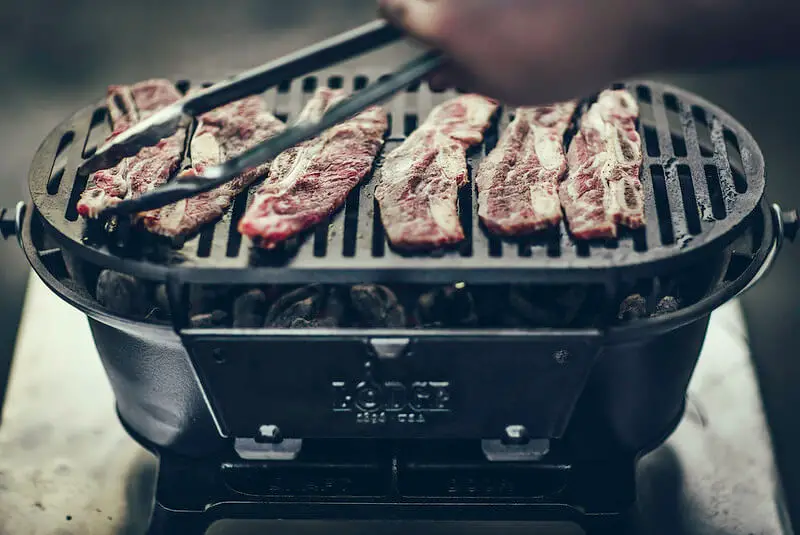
x: 369, y: 232
x: 221, y: 236
x: 59, y: 162
x: 736, y: 161
x: 483, y: 243
x: 95, y: 137
x: 191, y: 248
x: 652, y: 232
x: 689, y: 199
x: 205, y: 242
x: 271, y: 99
x: 234, y: 238
x: 335, y: 234
x: 662, y: 125
x: 74, y: 159
x: 696, y: 162
x: 467, y: 215
x: 723, y: 164
x: 675, y: 195
x: 397, y: 114
x: 677, y: 139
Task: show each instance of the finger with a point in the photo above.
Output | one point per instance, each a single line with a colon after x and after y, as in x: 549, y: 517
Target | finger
x: 440, y: 82
x: 420, y: 18
x: 443, y: 79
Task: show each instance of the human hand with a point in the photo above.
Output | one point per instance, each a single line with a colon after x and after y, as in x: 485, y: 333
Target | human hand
x: 528, y: 52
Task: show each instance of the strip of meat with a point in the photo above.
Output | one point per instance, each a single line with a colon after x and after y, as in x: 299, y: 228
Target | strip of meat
x: 518, y: 182
x: 221, y: 134
x: 603, y: 188
x: 311, y: 181
x: 419, y: 181
x: 152, y: 166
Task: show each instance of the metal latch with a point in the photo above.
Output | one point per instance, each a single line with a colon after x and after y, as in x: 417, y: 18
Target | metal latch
x: 515, y: 446
x: 790, y: 223
x: 269, y: 445
x: 8, y: 224
x: 389, y: 348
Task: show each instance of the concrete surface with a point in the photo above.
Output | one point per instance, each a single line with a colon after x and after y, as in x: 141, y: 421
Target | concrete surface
x: 68, y: 468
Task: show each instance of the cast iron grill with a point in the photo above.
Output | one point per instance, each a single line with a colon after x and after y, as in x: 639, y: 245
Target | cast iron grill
x: 703, y: 175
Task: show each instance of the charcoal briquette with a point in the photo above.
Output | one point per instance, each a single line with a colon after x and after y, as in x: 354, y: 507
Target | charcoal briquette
x: 217, y: 318
x: 328, y: 322
x: 377, y: 307
x: 206, y: 299
x: 335, y: 308
x: 249, y: 310
x: 122, y: 294
x: 161, y: 301
x: 201, y: 321
x: 449, y: 306
x: 667, y: 305
x: 632, y: 308
x: 304, y: 303
x: 299, y: 323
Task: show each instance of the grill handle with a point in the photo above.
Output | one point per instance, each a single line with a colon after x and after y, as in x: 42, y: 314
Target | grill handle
x: 10, y: 225
x: 790, y: 223
x: 787, y: 223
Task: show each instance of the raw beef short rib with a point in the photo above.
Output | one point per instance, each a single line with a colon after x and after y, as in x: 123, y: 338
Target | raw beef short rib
x: 518, y: 182
x: 221, y: 134
x: 311, y: 181
x: 419, y: 181
x: 603, y: 188
x: 152, y: 166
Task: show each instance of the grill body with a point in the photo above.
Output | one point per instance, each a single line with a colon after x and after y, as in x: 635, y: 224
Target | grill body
x: 703, y: 177
x: 631, y: 396
x: 601, y: 396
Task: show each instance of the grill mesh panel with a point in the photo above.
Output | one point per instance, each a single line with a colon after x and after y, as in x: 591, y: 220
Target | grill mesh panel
x: 702, y: 176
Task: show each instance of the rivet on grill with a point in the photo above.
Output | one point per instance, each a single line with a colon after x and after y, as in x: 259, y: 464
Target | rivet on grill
x: 561, y: 356
x: 218, y: 355
x: 269, y: 434
x: 516, y: 435
x: 791, y: 224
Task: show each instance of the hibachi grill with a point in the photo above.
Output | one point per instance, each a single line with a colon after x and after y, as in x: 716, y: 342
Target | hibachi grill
x: 335, y: 377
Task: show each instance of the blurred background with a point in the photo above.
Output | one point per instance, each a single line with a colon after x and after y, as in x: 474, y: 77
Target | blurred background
x: 57, y: 56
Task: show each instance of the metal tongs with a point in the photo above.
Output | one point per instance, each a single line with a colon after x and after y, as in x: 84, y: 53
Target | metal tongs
x: 179, y: 115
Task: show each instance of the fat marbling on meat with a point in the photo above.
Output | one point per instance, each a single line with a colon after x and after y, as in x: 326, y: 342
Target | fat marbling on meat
x: 311, y: 181
x: 419, y: 181
x: 152, y: 166
x: 221, y: 134
x: 518, y: 182
x: 603, y: 188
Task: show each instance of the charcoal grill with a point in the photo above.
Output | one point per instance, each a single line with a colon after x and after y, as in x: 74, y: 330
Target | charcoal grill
x: 413, y: 424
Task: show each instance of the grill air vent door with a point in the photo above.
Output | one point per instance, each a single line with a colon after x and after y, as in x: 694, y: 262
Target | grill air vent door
x: 398, y: 385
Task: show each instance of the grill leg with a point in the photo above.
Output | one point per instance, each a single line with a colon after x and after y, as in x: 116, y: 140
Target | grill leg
x: 183, y: 490
x: 166, y: 522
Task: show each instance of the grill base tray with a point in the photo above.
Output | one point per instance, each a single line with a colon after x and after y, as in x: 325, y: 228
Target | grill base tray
x: 391, y: 481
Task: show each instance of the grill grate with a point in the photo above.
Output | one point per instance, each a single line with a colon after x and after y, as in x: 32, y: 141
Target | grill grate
x: 702, y: 175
